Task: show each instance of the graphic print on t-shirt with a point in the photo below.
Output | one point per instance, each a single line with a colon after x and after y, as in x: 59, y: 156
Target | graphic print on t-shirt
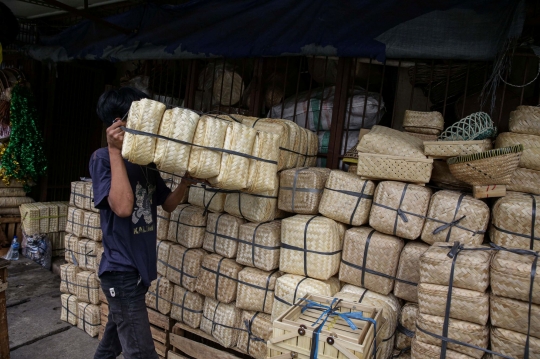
x: 143, y: 209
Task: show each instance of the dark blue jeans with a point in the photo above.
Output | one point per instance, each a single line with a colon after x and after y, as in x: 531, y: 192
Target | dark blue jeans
x: 128, y: 328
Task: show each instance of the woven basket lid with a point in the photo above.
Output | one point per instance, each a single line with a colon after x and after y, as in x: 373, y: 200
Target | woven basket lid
x: 422, y: 119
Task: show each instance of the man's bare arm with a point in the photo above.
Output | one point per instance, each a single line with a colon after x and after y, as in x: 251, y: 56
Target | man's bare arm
x: 120, y: 195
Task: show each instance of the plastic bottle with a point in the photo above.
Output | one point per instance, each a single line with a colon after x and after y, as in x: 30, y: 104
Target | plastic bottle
x: 15, y: 249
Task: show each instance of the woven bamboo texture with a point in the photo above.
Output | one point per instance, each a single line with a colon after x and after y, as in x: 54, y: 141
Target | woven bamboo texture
x: 88, y: 287
x: 253, y: 342
x: 312, y: 149
x: 303, y: 148
x: 92, y: 226
x: 277, y: 127
x: 526, y: 120
x: 162, y: 226
x: 75, y: 221
x: 177, y: 124
x: 218, y: 278
x: 89, y: 319
x: 144, y: 115
x: 99, y: 256
x: 160, y: 294
x: 14, y: 201
x: 256, y: 289
x: 71, y: 244
x: 387, y: 141
x: 301, y: 189
x: 511, y: 277
x: 70, y: 308
x: 78, y: 198
x: 488, y: 168
x: 390, y: 305
x: 234, y: 169
x: 512, y: 344
x: 210, y: 132
x: 399, y: 209
x: 397, y: 168
x: 421, y: 350
x: 290, y: 288
x: 259, y: 245
x: 187, y: 307
x: 221, y: 321
x: 87, y: 253
x: 221, y: 235
x: 89, y: 194
x: 13, y: 183
x: 471, y: 269
x: 163, y: 249
x: 187, y: 226
x: 184, y: 266
x: 430, y: 123
x: 43, y: 217
x: 210, y: 198
x: 459, y: 330
x: 530, y: 158
x: 409, y: 270
x: 68, y: 278
x: 447, y: 149
x: 311, y: 246
x: 407, y: 319
x: 252, y: 207
x: 514, y: 214
x: 467, y: 305
x: 443, y: 178
x: 382, y: 256
x: 57, y: 243
x: 13, y: 210
x: 346, y: 198
x: 422, y: 136
x: 455, y: 217
x: 513, y: 315
x: 12, y: 192
x: 295, y: 143
x: 262, y: 175
x: 525, y: 180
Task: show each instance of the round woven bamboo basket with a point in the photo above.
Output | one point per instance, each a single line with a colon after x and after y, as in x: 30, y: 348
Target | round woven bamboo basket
x: 525, y: 180
x: 259, y: 245
x: 407, y: 319
x: 443, y: 178
x: 386, y: 141
x: 88, y: 287
x: 162, y: 225
x: 380, y: 246
x: 487, y: 168
x: 347, y: 198
x: 207, y: 197
x: 187, y: 307
x: 187, y: 226
x: 459, y: 330
x: 301, y: 189
x: 262, y: 175
x: 163, y: 249
x: 178, y: 124
x: 13, y: 210
x: 159, y: 295
x: 311, y: 246
x: 409, y: 270
x: 87, y: 253
x: 222, y: 82
x: 421, y: 350
x: 256, y: 289
x: 514, y: 219
x: 222, y: 321
x: 511, y: 276
x: 468, y: 305
x: 222, y: 234
x: 89, y: 319
x: 476, y: 126
x: 254, y: 343
x: 399, y: 209
x: 258, y: 208
x: 526, y: 120
x: 513, y: 315
x: 68, y: 278
x: 12, y: 192
x: 184, y: 266
x: 210, y: 132
x: 14, y: 201
x: 471, y: 270
x: 144, y: 115
x: 70, y: 307
x: 512, y: 344
x: 447, y: 149
x: 530, y: 158
x: 455, y: 217
x: 290, y: 288
x: 218, y: 278
x: 429, y: 123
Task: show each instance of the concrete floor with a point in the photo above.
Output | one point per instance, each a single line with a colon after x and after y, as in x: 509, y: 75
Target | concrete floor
x: 35, y: 328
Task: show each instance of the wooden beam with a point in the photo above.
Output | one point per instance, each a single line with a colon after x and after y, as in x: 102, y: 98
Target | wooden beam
x: 173, y: 355
x: 10, y: 220
x: 198, y: 350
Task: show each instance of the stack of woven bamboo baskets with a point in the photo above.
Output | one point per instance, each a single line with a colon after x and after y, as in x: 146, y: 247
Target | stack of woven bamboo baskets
x: 12, y: 195
x: 79, y: 284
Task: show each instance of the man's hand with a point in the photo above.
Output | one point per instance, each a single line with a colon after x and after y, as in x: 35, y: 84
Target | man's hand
x: 115, y: 135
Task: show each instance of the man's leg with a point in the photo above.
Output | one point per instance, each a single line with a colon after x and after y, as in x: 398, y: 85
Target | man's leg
x: 109, y: 347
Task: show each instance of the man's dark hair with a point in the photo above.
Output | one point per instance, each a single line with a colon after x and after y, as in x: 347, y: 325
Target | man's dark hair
x: 116, y: 103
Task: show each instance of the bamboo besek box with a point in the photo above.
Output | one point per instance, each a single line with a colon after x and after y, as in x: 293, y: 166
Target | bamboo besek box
x: 259, y: 245
x: 187, y: 226
x: 221, y: 235
x: 256, y: 289
x: 218, y: 278
x: 301, y: 189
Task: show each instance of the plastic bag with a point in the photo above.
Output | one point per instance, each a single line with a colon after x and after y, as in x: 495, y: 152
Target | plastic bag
x: 38, y: 248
